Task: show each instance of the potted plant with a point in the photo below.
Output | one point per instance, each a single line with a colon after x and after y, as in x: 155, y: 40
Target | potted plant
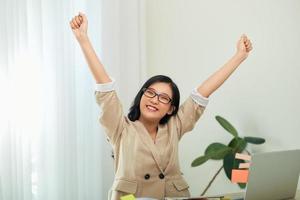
x: 226, y: 153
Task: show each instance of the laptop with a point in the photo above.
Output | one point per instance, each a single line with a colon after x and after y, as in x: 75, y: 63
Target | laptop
x: 273, y: 175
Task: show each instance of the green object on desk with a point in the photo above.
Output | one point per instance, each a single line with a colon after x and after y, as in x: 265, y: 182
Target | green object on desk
x: 128, y: 197
x: 225, y: 198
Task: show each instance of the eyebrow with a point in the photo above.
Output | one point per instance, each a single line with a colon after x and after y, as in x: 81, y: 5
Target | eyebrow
x: 159, y: 92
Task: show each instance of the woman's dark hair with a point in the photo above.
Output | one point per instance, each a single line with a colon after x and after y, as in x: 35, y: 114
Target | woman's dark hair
x: 134, y: 111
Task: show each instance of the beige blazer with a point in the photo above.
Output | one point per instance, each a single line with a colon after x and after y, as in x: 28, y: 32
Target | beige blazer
x: 142, y: 167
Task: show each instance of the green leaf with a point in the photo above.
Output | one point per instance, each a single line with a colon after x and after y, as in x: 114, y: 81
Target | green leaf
x: 227, y: 126
x: 254, y: 140
x: 238, y: 144
x: 217, y: 151
x: 199, y: 161
x: 242, y: 185
x: 229, y: 163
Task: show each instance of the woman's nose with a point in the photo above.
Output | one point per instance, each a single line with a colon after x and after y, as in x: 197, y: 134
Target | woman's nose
x: 154, y: 100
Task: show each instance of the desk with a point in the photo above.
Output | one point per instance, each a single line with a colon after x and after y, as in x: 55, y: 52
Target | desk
x: 232, y: 196
x: 240, y: 194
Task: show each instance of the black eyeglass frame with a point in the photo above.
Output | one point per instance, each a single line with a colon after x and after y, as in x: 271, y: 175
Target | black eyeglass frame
x: 156, y: 94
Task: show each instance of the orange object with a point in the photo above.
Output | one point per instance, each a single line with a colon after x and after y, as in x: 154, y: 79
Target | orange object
x: 239, y: 176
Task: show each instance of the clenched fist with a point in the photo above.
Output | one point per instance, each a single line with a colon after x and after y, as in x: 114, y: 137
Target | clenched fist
x: 244, y: 46
x: 79, y: 26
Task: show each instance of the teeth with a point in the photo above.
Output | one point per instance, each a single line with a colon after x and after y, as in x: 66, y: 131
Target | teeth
x: 151, y: 108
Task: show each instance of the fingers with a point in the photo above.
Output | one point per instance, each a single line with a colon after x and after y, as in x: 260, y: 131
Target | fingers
x: 82, y: 16
x: 247, y: 43
x: 76, y: 21
x: 72, y: 25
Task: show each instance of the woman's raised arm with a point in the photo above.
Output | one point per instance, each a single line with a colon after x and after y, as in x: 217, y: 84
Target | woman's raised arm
x: 244, y: 46
x: 79, y: 26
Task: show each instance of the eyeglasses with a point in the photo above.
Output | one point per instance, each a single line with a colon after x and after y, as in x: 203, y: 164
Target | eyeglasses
x: 163, y: 98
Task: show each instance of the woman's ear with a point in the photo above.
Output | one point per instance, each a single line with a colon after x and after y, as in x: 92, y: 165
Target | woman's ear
x: 171, y: 110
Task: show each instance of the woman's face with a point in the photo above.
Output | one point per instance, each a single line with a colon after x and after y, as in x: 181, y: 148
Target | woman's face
x: 152, y: 109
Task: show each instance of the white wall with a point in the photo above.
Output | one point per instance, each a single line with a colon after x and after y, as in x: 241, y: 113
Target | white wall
x: 190, y: 39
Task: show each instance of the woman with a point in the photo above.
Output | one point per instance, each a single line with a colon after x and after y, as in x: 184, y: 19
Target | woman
x: 146, y: 141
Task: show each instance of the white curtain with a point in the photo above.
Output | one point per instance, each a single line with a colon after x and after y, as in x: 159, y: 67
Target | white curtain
x: 51, y: 145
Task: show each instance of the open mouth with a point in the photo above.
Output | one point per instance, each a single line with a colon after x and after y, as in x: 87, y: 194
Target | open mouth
x: 151, y: 108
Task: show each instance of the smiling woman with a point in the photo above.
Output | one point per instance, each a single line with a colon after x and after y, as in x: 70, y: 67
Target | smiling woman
x: 166, y: 103
x: 151, y: 110
x: 146, y: 141
x: 146, y: 146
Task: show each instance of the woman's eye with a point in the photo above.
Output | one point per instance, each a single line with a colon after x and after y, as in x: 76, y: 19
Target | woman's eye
x: 164, y: 98
x: 151, y: 93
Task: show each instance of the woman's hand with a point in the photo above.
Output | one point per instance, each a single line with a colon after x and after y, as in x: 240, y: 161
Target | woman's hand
x: 79, y: 26
x: 244, y: 46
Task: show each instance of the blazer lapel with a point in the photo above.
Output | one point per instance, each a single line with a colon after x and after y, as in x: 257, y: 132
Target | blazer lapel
x: 173, y: 153
x: 147, y: 140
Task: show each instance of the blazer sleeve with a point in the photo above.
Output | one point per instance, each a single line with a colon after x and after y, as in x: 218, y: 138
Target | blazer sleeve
x: 189, y: 112
x: 111, y: 115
